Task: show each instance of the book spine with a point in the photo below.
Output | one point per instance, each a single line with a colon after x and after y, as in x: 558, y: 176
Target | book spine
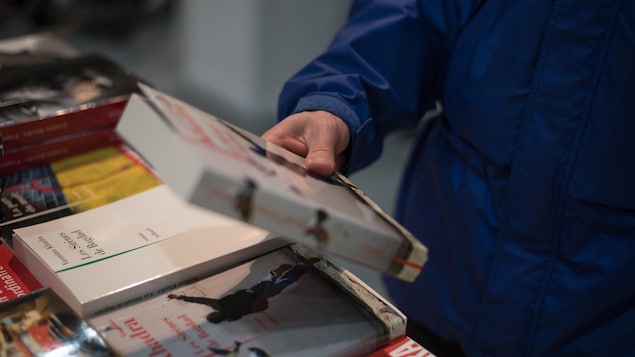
x: 46, y: 152
x: 87, y: 117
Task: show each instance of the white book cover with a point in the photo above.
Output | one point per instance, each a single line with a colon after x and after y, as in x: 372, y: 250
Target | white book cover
x: 216, y: 165
x: 284, y: 303
x: 134, y: 247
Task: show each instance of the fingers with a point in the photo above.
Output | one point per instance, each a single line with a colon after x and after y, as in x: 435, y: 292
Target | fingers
x: 284, y: 135
x: 318, y: 135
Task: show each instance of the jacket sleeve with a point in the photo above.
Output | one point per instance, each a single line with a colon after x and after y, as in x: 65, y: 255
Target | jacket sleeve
x: 381, y: 72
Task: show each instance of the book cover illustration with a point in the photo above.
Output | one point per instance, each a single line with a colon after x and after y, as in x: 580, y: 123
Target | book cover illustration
x: 41, y: 324
x: 33, y: 49
x: 51, y: 99
x: 45, y: 89
x: 15, y: 280
x: 220, y: 167
x: 279, y: 304
x: 75, y: 184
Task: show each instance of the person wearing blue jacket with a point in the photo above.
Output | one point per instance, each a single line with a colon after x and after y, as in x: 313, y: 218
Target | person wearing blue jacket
x: 523, y: 189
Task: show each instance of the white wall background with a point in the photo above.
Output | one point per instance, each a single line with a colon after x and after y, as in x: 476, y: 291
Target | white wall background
x: 240, y: 52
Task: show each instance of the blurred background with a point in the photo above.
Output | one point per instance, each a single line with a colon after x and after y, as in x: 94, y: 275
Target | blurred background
x: 227, y: 57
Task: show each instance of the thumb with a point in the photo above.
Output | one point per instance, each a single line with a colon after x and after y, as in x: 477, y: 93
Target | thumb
x: 326, y: 144
x: 321, y: 156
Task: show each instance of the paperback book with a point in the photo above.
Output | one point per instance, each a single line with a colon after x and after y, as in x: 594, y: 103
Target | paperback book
x: 290, y: 302
x: 58, y: 98
x: 41, y: 324
x: 218, y: 166
x: 110, y: 255
x: 72, y: 185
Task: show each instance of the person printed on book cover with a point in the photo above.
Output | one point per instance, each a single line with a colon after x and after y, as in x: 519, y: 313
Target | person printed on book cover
x: 235, y: 350
x: 228, y: 352
x: 317, y: 230
x: 251, y: 300
x: 244, y: 200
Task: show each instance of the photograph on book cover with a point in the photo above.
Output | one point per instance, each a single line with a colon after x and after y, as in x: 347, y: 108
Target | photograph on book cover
x: 75, y: 184
x: 221, y: 167
x: 52, y: 88
x: 281, y: 304
x: 32, y: 49
x: 41, y: 324
x: 46, y: 89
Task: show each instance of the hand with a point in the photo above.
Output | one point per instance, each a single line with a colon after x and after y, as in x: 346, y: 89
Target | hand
x: 318, y: 135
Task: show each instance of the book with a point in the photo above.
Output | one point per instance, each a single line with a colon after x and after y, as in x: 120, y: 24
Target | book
x: 115, y: 253
x: 71, y: 185
x: 31, y: 49
x: 41, y: 324
x: 218, y: 166
x: 58, y: 98
x: 15, y: 280
x: 290, y: 302
x: 58, y: 148
x: 402, y: 347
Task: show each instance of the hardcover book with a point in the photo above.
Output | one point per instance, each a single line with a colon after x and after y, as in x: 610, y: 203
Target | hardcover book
x: 290, y: 302
x: 58, y: 98
x: 72, y: 185
x: 41, y: 324
x: 30, y: 156
x: 218, y: 166
x: 115, y: 253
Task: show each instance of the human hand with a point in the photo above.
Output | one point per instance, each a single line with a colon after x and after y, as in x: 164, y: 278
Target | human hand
x: 318, y: 135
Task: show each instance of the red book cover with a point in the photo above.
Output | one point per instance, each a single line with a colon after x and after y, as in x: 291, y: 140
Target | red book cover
x: 403, y: 347
x: 15, y: 280
x: 55, y: 149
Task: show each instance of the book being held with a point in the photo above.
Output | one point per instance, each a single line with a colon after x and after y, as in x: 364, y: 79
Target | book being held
x: 218, y: 166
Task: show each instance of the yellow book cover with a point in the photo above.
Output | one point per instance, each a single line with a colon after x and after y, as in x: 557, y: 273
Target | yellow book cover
x: 75, y: 184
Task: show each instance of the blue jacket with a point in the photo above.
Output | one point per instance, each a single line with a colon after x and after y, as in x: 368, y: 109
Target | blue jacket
x: 523, y: 189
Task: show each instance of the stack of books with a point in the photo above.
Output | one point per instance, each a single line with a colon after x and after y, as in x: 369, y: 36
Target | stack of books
x: 190, y: 236
x: 55, y: 104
